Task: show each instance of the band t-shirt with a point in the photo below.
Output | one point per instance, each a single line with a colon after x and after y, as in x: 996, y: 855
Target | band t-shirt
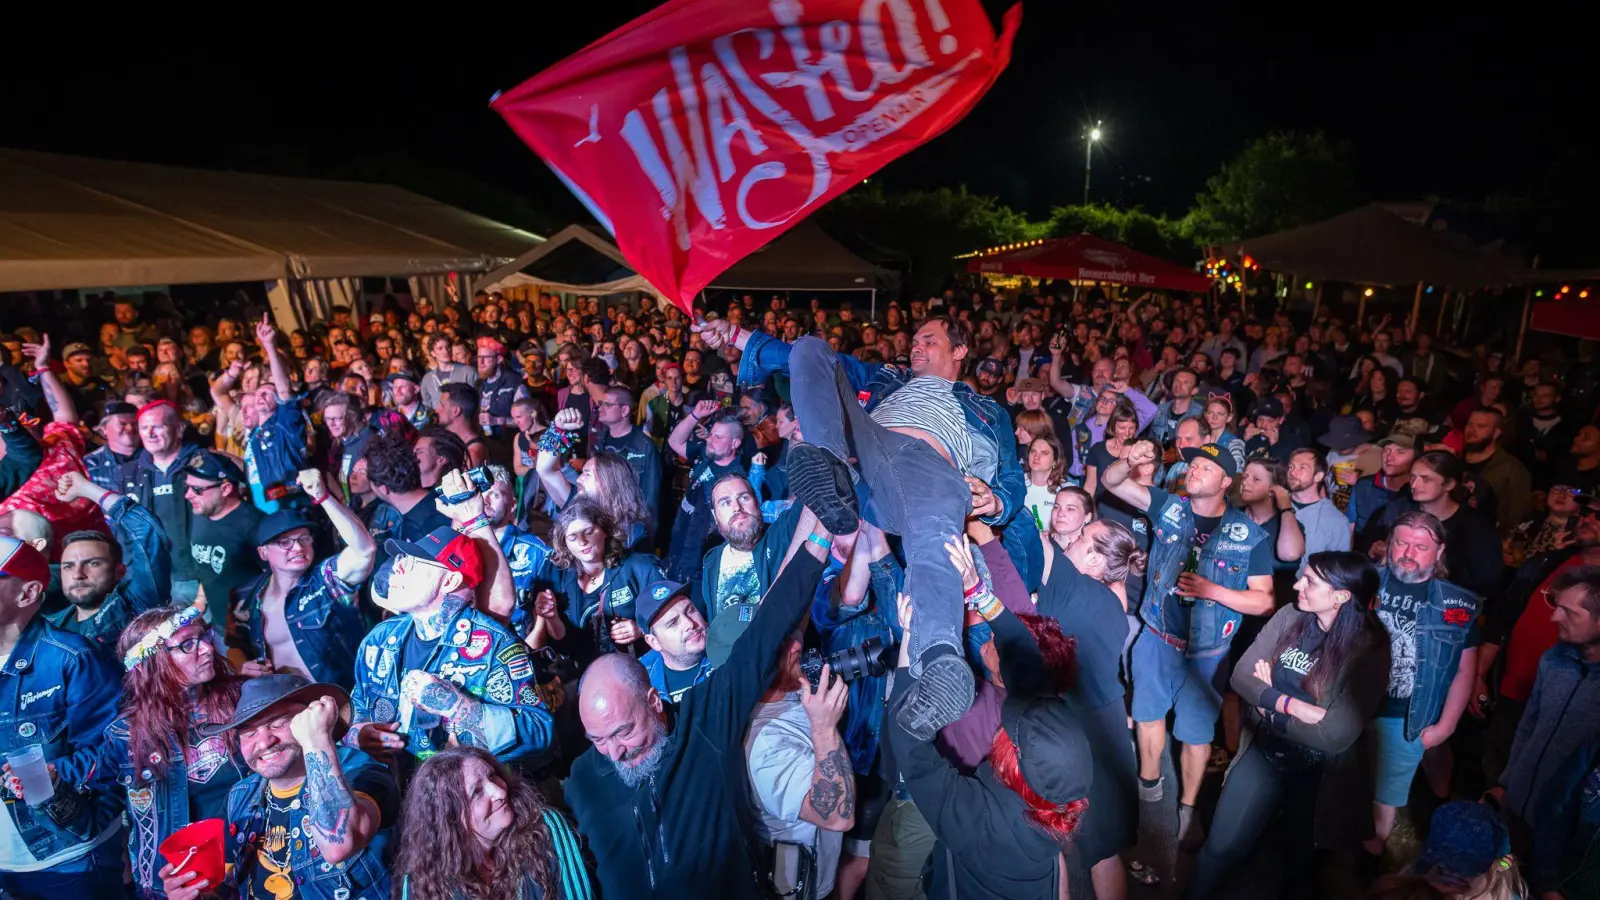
x: 272, y: 877
x: 1397, y: 610
x: 212, y: 773
x: 224, y: 555
x: 680, y: 681
x: 736, y: 580
x: 1175, y: 616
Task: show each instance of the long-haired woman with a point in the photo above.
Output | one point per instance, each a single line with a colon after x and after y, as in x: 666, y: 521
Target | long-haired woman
x: 170, y: 774
x: 1044, y: 473
x: 1311, y: 682
x: 606, y: 479
x: 596, y: 581
x: 1218, y: 419
x: 472, y: 829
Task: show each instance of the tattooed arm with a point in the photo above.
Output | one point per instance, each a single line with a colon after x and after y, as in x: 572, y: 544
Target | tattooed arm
x: 62, y: 409
x: 341, y: 822
x: 831, y: 802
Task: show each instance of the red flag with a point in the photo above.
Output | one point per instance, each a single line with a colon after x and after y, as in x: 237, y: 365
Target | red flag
x: 703, y: 130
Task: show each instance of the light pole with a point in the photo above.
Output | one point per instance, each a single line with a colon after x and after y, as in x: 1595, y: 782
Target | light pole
x: 1088, y: 156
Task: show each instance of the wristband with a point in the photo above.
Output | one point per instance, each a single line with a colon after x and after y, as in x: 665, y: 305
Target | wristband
x: 987, y: 605
x: 975, y: 590
x: 318, y: 501
x: 472, y: 525
x: 822, y: 542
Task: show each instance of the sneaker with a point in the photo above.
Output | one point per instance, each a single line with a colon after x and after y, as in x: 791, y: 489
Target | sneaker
x: 1153, y: 793
x: 1191, y: 834
x: 939, y: 696
x: 822, y: 483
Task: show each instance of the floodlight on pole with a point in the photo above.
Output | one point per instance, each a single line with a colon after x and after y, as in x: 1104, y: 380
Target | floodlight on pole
x: 1090, y: 139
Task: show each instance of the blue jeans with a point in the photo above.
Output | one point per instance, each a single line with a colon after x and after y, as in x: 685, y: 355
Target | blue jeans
x: 906, y: 488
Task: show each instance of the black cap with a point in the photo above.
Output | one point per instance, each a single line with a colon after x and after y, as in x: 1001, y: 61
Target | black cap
x: 278, y: 524
x: 1271, y: 407
x: 402, y: 375
x: 213, y: 467
x: 118, y: 408
x: 261, y: 694
x: 656, y: 598
x: 1052, y: 750
x: 1213, y: 453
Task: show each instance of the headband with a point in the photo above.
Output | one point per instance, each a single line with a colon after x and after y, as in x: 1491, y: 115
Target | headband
x: 156, y: 636
x: 1225, y: 397
x: 154, y: 405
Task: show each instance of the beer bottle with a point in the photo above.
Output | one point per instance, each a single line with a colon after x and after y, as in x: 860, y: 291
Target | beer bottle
x: 1192, y: 564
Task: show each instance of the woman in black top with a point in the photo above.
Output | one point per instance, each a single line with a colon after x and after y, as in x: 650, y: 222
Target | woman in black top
x: 596, y: 581
x: 1122, y: 428
x: 1311, y: 681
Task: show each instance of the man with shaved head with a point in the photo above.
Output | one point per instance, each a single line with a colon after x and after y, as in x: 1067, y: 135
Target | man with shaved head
x: 659, y: 796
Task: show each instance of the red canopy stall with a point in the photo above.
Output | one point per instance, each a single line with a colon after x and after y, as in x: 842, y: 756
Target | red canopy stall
x: 1084, y: 257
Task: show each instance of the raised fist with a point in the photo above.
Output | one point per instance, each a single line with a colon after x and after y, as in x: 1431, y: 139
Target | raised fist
x: 569, y: 419
x: 310, y: 481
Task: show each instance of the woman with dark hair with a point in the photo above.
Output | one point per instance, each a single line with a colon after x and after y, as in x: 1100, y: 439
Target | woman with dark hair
x: 1311, y: 682
x: 1472, y: 551
x: 606, y: 479
x: 171, y: 775
x: 1122, y: 428
x: 472, y: 829
x: 596, y: 583
x: 1379, y: 398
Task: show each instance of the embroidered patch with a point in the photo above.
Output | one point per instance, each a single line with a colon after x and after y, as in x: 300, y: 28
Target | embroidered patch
x: 31, y: 697
x: 1228, y: 626
x: 370, y: 654
x: 621, y: 596
x: 141, y: 800
x: 477, y: 645
x: 459, y: 673
x: 205, y: 758
x: 1173, y: 514
x: 518, y: 664
x: 661, y: 592
x: 528, y: 695
x: 385, y: 663
x: 1457, y: 617
x: 1238, y: 531
x: 498, y: 687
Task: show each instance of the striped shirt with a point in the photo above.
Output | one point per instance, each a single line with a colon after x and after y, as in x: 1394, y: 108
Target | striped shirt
x: 928, y: 403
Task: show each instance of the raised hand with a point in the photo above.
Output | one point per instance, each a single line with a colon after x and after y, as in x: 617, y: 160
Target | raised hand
x: 706, y: 408
x: 825, y: 703
x: 266, y: 335
x: 312, y: 727
x: 760, y: 459
x: 569, y: 420
x: 455, y: 483
x: 430, y: 693
x: 73, y: 485
x: 1140, y: 453
x: 544, y: 605
x: 39, y: 353
x: 961, y: 557
x: 310, y: 481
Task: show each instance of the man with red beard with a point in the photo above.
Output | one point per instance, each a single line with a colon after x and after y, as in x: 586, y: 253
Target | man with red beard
x: 741, y: 570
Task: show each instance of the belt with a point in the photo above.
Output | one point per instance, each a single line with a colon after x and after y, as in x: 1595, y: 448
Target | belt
x: 1169, y: 640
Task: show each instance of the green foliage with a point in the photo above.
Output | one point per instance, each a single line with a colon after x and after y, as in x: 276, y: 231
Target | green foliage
x: 1280, y: 181
x: 1135, y: 228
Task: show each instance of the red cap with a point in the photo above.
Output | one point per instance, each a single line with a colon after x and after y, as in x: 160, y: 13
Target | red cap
x: 445, y: 547
x: 489, y: 343
x: 154, y: 405
x: 19, y: 559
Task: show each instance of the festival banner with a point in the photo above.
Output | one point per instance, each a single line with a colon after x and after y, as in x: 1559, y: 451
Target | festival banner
x: 703, y: 130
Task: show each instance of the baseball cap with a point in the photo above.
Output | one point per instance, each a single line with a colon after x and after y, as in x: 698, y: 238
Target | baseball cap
x: 990, y: 366
x: 1035, y: 385
x: 402, y: 375
x: 19, y: 559
x: 1399, y: 439
x: 658, y: 596
x: 214, y: 467
x: 74, y: 349
x: 445, y: 547
x: 1214, y: 453
x: 1271, y: 407
x: 278, y: 524
x: 724, y: 631
x: 1465, y: 839
x: 118, y: 408
x: 1052, y: 750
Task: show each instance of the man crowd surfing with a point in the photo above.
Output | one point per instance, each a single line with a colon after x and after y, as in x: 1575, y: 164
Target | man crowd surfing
x: 978, y: 598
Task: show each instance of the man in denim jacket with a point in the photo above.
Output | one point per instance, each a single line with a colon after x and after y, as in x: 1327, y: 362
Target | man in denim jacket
x: 920, y: 472
x: 109, y: 581
x: 1433, y: 628
x: 1210, y: 566
x: 58, y: 693
x: 301, y: 616
x: 312, y: 821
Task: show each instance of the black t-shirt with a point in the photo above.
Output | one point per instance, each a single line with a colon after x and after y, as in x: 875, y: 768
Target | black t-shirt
x: 679, y: 682
x: 1397, y: 610
x: 1100, y: 457
x: 224, y: 554
x: 273, y: 873
x: 1290, y: 669
x: 212, y: 773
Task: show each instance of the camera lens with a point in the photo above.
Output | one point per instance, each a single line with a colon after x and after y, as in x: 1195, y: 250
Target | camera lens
x: 855, y: 662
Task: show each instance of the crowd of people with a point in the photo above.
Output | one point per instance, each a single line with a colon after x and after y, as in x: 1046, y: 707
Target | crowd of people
x: 564, y: 599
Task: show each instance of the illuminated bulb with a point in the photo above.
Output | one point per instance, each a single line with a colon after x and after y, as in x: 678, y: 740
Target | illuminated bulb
x: 1583, y: 294
x: 1308, y: 285
x: 1367, y: 292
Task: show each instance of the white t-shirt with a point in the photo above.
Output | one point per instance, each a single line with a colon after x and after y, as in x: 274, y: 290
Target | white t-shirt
x: 782, y: 760
x: 1041, y: 501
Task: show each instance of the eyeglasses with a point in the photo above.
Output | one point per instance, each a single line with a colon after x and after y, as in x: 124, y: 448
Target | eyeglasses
x: 289, y: 542
x: 188, y: 645
x: 200, y: 488
x: 277, y: 724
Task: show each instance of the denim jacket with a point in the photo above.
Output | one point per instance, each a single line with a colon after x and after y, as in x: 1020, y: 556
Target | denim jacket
x: 141, y: 479
x: 363, y: 876
x: 764, y: 355
x: 1225, y: 560
x: 275, y: 451
x: 481, y: 657
x: 103, y: 466
x: 1443, y: 624
x: 57, y: 691
x: 1164, y: 427
x: 157, y: 807
x: 655, y: 665
x: 147, y: 555
x: 324, y: 620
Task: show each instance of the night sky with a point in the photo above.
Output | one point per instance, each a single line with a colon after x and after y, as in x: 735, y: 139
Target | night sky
x: 1433, y: 102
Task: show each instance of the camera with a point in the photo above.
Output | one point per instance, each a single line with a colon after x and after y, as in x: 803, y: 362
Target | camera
x: 478, y: 477
x: 849, y: 664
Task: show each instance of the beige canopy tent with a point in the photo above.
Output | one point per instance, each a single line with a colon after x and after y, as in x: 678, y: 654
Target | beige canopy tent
x: 73, y: 222
x: 574, y: 260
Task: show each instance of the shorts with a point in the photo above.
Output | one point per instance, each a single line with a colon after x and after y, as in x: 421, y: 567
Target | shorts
x: 1164, y: 679
x: 1398, y: 759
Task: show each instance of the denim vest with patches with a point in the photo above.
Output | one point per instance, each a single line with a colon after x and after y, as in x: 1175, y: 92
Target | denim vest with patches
x: 1443, y: 623
x: 1225, y: 560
